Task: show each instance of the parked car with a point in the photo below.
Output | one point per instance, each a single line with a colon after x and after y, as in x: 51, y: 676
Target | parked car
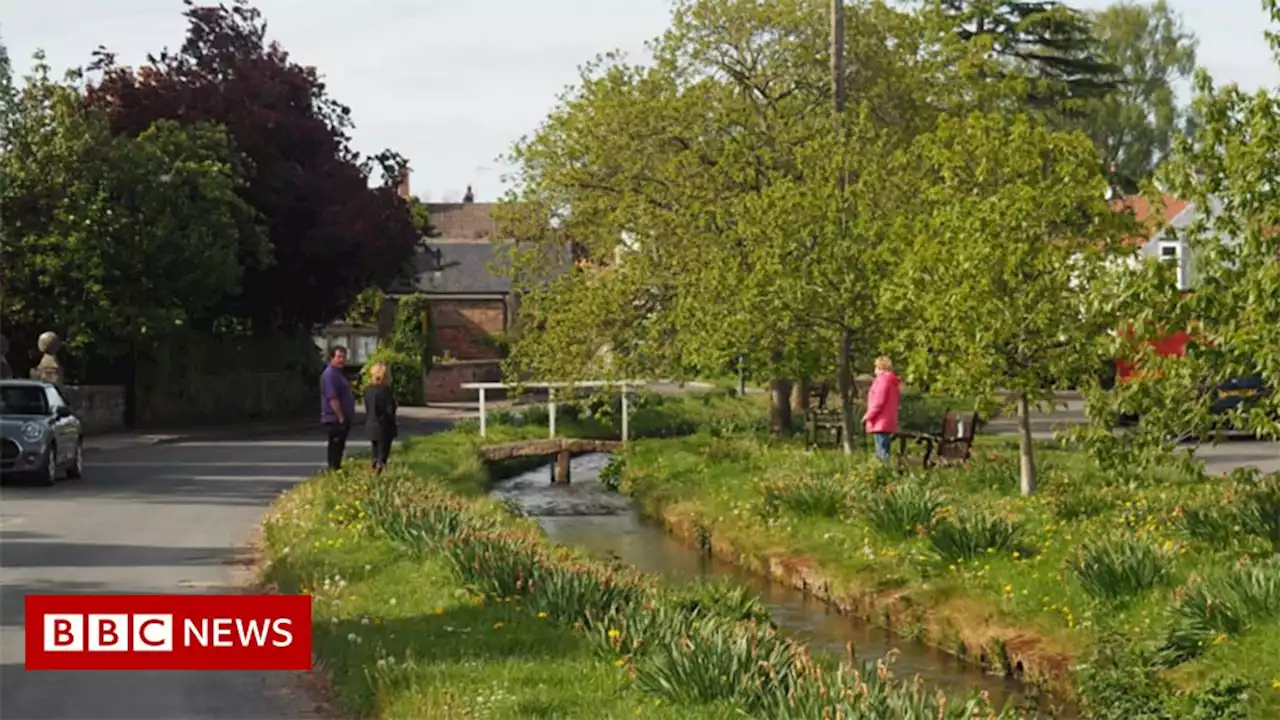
x: 1239, y: 392
x: 40, y: 434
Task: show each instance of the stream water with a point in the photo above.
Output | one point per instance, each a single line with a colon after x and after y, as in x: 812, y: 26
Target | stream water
x: 585, y: 514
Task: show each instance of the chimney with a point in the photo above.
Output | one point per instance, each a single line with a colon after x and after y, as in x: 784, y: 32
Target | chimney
x: 402, y: 187
x: 469, y: 197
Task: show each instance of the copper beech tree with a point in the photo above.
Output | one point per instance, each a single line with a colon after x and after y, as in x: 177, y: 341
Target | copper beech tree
x: 331, y: 235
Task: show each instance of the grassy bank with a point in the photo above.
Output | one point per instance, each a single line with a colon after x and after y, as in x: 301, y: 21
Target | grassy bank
x: 432, y: 601
x: 1163, y: 584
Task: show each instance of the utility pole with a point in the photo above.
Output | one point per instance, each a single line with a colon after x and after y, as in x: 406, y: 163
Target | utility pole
x: 844, y: 379
x: 837, y: 56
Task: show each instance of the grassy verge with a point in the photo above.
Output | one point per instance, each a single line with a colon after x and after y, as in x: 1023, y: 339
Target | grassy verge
x: 431, y: 601
x: 1160, y: 589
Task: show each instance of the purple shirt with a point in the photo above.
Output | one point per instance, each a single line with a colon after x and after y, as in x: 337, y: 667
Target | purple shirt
x: 333, y: 384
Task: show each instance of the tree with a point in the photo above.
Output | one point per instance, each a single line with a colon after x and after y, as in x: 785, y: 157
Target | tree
x: 1135, y: 125
x: 1228, y: 169
x: 115, y: 241
x: 1010, y: 283
x: 1046, y: 43
x: 694, y: 168
x: 331, y: 234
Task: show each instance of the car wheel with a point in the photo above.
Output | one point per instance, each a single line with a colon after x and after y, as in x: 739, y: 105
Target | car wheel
x: 75, y: 470
x: 49, y: 473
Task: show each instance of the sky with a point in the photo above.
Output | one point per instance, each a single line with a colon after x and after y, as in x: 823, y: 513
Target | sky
x: 452, y: 85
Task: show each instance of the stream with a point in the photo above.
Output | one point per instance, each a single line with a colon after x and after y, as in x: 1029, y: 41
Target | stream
x: 606, y: 524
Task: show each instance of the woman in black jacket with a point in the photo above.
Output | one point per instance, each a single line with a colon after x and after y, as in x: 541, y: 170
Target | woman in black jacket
x: 380, y: 414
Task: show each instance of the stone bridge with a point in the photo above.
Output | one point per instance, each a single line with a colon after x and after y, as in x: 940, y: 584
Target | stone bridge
x: 563, y: 449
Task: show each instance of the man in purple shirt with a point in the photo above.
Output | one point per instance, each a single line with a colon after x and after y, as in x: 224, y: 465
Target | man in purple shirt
x: 337, y: 405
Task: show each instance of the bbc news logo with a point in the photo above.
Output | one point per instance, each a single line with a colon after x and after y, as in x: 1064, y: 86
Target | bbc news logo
x: 168, y: 632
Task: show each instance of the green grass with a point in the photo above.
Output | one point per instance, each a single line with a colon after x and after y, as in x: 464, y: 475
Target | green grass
x: 958, y: 551
x: 401, y: 637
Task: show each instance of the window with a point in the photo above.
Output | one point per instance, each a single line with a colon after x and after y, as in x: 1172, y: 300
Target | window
x: 23, y: 400
x: 1168, y: 251
x: 364, y: 346
x: 55, y: 399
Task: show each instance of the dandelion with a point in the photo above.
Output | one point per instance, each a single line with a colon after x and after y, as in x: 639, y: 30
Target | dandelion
x: 542, y: 616
x: 613, y: 634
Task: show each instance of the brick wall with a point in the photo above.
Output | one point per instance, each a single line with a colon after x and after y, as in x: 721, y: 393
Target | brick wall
x: 461, y: 327
x: 101, y: 408
x: 445, y: 380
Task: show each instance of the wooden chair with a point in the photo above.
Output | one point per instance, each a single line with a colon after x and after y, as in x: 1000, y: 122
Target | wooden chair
x: 819, y: 418
x: 952, y: 446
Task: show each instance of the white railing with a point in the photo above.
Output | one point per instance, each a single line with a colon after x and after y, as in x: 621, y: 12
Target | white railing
x: 623, y: 386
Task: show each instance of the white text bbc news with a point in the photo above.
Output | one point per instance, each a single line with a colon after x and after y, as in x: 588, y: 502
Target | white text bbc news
x: 154, y: 633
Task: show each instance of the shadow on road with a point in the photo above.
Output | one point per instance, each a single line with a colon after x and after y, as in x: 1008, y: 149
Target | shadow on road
x: 12, y: 607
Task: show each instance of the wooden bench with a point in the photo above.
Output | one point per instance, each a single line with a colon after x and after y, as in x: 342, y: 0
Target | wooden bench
x: 952, y: 446
x: 820, y: 419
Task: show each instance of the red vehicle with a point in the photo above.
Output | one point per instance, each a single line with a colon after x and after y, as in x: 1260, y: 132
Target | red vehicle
x: 1227, y: 396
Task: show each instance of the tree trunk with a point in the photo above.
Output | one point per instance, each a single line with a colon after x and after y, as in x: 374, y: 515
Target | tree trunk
x: 800, y: 396
x: 844, y: 385
x: 1027, y: 462
x: 780, y: 407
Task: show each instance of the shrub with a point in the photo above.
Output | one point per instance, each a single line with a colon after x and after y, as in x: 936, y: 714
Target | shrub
x: 720, y: 598
x: 1120, y: 567
x: 413, y: 330
x: 810, y: 495
x: 406, y: 375
x: 611, y: 474
x: 1119, y: 680
x: 970, y: 535
x: 901, y: 510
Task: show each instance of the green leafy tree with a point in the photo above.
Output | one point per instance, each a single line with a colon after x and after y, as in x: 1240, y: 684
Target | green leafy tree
x: 683, y: 178
x: 116, y: 241
x: 1012, y: 282
x: 1227, y: 168
x: 1135, y: 125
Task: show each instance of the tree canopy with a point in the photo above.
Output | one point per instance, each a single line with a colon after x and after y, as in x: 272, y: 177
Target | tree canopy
x: 112, y: 240
x: 1135, y: 125
x: 1228, y: 169
x: 331, y: 234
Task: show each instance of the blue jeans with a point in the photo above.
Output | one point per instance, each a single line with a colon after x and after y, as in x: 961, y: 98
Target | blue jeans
x: 884, y: 445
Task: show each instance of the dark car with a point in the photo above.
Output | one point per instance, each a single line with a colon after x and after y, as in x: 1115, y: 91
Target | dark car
x: 40, y: 435
x: 1239, y: 392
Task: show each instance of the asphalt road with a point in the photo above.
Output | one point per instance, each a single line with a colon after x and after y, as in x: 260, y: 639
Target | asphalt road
x: 162, y: 519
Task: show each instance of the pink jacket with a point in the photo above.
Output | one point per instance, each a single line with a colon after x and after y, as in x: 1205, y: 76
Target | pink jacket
x: 882, y: 404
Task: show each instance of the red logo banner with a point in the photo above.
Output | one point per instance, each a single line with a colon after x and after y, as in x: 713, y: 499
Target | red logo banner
x: 168, y: 632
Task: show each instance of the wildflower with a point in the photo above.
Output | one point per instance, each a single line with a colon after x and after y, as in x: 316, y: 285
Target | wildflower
x: 613, y: 634
x: 542, y: 616
x: 498, y: 625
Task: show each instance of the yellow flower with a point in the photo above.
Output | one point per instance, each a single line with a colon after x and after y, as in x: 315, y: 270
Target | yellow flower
x: 1275, y: 684
x: 497, y: 625
x: 613, y: 634
x: 542, y: 616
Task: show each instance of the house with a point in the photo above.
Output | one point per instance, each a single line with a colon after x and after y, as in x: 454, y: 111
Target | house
x: 472, y: 304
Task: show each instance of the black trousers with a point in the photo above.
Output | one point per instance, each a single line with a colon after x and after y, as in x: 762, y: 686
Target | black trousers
x: 381, y: 451
x: 337, y: 443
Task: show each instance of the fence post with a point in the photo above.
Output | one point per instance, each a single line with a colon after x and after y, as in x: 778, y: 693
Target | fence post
x: 625, y: 413
x: 551, y: 410
x: 482, y: 413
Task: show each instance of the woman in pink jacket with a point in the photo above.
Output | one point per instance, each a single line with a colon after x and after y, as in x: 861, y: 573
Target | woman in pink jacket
x: 881, y: 418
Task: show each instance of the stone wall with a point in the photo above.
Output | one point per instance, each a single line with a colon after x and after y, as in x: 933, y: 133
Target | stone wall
x: 445, y: 379
x: 101, y: 408
x: 228, y: 398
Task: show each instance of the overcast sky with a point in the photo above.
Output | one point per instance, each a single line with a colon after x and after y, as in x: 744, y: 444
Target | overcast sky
x: 451, y: 85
